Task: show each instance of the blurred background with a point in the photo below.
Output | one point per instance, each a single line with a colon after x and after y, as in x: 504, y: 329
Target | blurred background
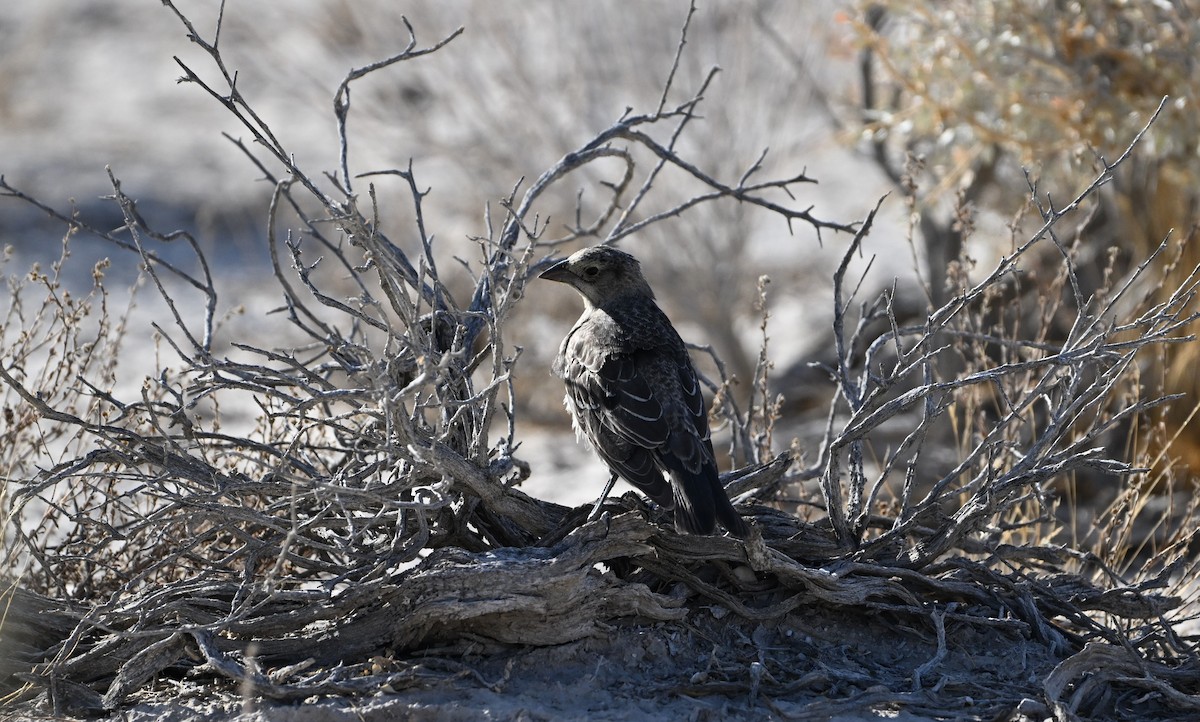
x: 942, y: 105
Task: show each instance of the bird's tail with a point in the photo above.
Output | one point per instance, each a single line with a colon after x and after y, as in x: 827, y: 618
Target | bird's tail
x: 701, y: 502
x: 727, y: 515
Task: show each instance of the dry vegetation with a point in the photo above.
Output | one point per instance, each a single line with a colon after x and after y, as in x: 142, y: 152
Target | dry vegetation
x: 369, y: 533
x: 1051, y: 86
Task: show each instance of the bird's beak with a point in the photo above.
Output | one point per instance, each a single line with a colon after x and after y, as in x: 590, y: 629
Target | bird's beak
x: 560, y: 272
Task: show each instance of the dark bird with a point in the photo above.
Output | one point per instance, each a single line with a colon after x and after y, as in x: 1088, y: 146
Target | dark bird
x: 633, y: 392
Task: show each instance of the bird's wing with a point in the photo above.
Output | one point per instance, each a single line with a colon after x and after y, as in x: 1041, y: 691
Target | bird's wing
x: 615, y: 407
x: 633, y: 407
x: 653, y: 412
x: 687, y: 454
x: 695, y: 451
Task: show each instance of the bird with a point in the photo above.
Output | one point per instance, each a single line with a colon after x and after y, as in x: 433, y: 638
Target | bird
x: 634, y: 394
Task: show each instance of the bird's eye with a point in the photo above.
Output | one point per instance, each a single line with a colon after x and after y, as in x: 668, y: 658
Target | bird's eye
x: 591, y: 272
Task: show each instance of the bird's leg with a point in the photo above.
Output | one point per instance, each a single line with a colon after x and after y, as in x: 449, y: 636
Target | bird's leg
x: 612, y: 480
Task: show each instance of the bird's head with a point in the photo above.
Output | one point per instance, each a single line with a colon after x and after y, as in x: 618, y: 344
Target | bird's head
x: 601, y: 274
